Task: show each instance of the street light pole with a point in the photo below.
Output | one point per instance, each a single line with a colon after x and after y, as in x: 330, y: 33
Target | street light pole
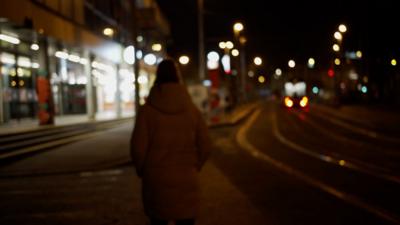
x: 240, y: 41
x: 136, y: 65
x: 200, y: 12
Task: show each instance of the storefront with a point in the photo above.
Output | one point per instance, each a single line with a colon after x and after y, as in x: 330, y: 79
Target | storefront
x: 104, y: 77
x: 18, y: 70
x: 81, y: 80
x: 69, y: 82
x: 127, y: 91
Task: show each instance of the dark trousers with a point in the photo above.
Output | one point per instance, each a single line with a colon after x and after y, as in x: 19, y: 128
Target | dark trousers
x: 154, y: 221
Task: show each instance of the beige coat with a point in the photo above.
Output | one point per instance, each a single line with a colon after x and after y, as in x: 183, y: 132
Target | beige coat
x: 169, y: 146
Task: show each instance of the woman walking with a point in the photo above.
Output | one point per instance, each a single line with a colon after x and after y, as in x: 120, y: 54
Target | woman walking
x: 169, y: 146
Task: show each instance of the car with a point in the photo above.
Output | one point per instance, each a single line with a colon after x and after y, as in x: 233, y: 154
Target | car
x: 295, y: 101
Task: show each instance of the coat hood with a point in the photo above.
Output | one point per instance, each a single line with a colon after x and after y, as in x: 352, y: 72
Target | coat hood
x: 170, y: 98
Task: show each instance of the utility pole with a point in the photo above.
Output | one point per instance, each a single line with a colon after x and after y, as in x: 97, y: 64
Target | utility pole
x: 200, y: 20
x: 136, y: 65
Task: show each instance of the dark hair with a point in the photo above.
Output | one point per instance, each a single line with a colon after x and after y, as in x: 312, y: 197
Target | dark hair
x: 167, y: 72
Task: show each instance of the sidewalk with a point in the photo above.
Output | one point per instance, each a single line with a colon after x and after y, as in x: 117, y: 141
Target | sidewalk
x: 25, y: 125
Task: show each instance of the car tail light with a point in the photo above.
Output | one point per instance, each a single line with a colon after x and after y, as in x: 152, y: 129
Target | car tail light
x: 288, y: 102
x: 304, y: 102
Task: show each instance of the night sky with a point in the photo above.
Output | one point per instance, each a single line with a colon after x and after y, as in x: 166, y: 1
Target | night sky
x: 280, y: 30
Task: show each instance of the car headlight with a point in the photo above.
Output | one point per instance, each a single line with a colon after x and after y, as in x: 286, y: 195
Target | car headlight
x: 304, y: 102
x: 288, y: 102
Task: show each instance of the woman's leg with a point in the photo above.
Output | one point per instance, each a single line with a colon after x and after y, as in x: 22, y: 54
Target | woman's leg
x: 154, y: 221
x: 185, y: 222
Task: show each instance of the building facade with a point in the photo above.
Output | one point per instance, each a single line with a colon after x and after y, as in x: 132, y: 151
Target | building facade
x: 83, y: 50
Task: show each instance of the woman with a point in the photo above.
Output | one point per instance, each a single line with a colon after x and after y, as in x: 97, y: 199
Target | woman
x: 169, y: 146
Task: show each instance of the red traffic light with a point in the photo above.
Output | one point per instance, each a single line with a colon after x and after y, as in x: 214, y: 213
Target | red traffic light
x: 331, y: 73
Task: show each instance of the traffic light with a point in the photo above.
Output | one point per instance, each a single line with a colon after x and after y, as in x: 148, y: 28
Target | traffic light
x: 331, y: 73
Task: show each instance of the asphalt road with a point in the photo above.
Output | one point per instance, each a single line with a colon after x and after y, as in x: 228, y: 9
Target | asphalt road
x: 276, y: 167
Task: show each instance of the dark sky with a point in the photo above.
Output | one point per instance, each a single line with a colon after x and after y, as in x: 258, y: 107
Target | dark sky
x: 283, y: 29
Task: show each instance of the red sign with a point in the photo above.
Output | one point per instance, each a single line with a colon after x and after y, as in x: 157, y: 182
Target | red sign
x: 45, y: 114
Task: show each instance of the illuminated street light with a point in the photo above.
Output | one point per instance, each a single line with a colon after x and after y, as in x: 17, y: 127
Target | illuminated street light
x: 342, y: 28
x: 337, y: 62
x: 311, y: 63
x: 229, y: 45
x: 235, y: 52
x: 156, y: 47
x: 257, y: 61
x: 393, y: 62
x: 359, y: 54
x: 338, y: 36
x: 336, y: 47
x: 278, y: 72
x: 261, y: 79
x: 238, y: 27
x: 292, y: 63
x: 184, y: 59
x: 222, y: 45
x: 108, y: 32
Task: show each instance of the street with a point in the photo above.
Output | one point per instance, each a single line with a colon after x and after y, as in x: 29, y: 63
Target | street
x: 276, y: 166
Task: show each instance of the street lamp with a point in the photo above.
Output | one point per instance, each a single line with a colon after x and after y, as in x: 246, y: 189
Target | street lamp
x: 278, y: 72
x: 235, y: 52
x: 257, y: 61
x: 359, y: 54
x: 222, y: 45
x: 338, y: 36
x: 292, y: 63
x: 337, y: 62
x: 238, y: 27
x: 393, y: 62
x: 229, y: 45
x: 336, y: 47
x: 240, y: 41
x: 342, y: 28
x: 184, y: 59
x: 261, y: 79
x: 108, y: 32
x: 311, y: 63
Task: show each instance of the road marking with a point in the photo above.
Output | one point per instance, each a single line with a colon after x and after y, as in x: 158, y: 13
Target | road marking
x: 114, y: 172
x: 351, y: 199
x: 363, y: 131
x: 343, y: 139
x: 328, y: 158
